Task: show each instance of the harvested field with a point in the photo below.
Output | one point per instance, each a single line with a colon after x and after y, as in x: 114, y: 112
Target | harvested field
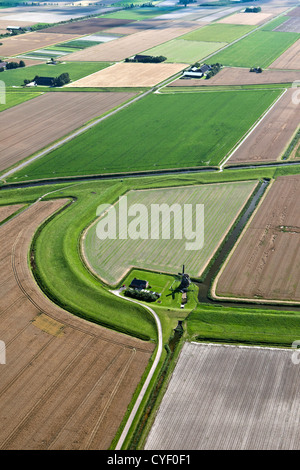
x: 73, y: 379
x: 89, y: 26
x: 270, y: 138
x: 239, y: 76
x: 137, y: 26
x: 229, y: 398
x: 292, y: 25
x: 290, y: 59
x: 295, y: 12
x: 7, y: 211
x: 130, y: 75
x: 246, y: 18
x: 264, y: 265
x: 52, y: 116
x: 30, y: 41
x: 111, y: 259
x: 128, y: 45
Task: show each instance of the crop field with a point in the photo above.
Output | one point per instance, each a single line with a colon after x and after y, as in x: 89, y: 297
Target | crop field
x: 290, y: 59
x: 290, y: 26
x: 111, y: 259
x: 181, y: 50
x: 269, y: 140
x: 229, y: 398
x: 251, y: 19
x: 238, y: 76
x: 7, y: 211
x: 146, y: 135
x: 15, y: 98
x: 21, y: 137
x: 74, y: 379
x: 89, y: 26
x: 218, y: 32
x: 76, y: 70
x: 137, y: 26
x: 21, y: 43
x: 128, y: 45
x: 138, y: 14
x: 130, y: 75
x: 270, y: 241
x: 259, y: 49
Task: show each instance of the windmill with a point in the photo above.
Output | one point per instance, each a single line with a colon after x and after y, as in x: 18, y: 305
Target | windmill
x: 184, y: 284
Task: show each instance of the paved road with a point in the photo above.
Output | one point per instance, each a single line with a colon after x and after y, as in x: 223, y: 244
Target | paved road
x: 150, y: 375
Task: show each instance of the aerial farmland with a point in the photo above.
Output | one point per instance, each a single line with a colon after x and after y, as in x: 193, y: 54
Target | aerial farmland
x: 149, y: 225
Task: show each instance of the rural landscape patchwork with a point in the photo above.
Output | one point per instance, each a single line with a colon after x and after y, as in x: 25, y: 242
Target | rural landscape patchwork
x: 150, y: 226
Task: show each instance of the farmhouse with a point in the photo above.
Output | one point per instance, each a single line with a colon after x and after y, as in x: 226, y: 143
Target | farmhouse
x: 44, y: 81
x: 139, y: 284
x: 2, y: 65
x: 197, y: 72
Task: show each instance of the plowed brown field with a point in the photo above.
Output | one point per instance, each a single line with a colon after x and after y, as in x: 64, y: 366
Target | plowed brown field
x: 238, y: 76
x: 32, y: 125
x: 246, y: 18
x: 66, y: 383
x: 6, y: 211
x: 270, y: 138
x: 266, y: 262
x: 127, y: 46
x: 290, y: 59
x: 92, y: 25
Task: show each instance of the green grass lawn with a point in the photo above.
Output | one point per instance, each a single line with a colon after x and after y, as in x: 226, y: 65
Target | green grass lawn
x: 242, y: 325
x: 159, y: 131
x: 218, y: 33
x: 13, y: 98
x: 259, y: 49
x: 76, y: 70
x: 181, y: 50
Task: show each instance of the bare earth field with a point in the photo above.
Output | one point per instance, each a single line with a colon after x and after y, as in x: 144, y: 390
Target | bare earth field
x: 290, y: 26
x: 290, y: 59
x: 135, y: 27
x: 295, y: 12
x: 30, y: 41
x: 270, y: 138
x: 246, y: 18
x: 52, y: 116
x: 130, y: 75
x: 239, y: 76
x: 129, y: 45
x: 265, y: 263
x: 229, y: 398
x: 92, y: 25
x: 66, y: 383
x: 6, y: 211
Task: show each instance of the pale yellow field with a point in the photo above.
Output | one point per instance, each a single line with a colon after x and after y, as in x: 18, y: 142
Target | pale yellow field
x: 129, y: 74
x: 246, y: 18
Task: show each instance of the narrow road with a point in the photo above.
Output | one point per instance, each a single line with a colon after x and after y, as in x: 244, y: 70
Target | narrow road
x: 150, y: 375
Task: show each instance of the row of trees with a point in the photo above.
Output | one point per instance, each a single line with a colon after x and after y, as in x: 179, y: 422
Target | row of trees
x: 12, y: 65
x: 252, y: 10
x: 59, y: 81
x: 147, y: 296
x: 147, y: 59
x: 215, y: 68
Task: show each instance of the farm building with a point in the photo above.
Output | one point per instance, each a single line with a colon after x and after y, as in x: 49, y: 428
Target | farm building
x: 139, y: 284
x: 197, y: 72
x: 44, y: 81
x: 2, y: 65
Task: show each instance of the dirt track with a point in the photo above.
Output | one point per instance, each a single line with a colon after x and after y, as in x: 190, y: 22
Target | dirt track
x: 66, y: 383
x: 270, y: 138
x: 32, y: 125
x: 265, y: 263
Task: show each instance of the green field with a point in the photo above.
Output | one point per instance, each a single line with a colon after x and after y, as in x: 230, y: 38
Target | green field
x: 75, y: 70
x: 218, y: 33
x: 259, y: 49
x: 161, y: 251
x: 139, y: 13
x: 181, y: 50
x: 14, y: 98
x: 242, y: 325
x: 274, y: 23
x: 159, y: 131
